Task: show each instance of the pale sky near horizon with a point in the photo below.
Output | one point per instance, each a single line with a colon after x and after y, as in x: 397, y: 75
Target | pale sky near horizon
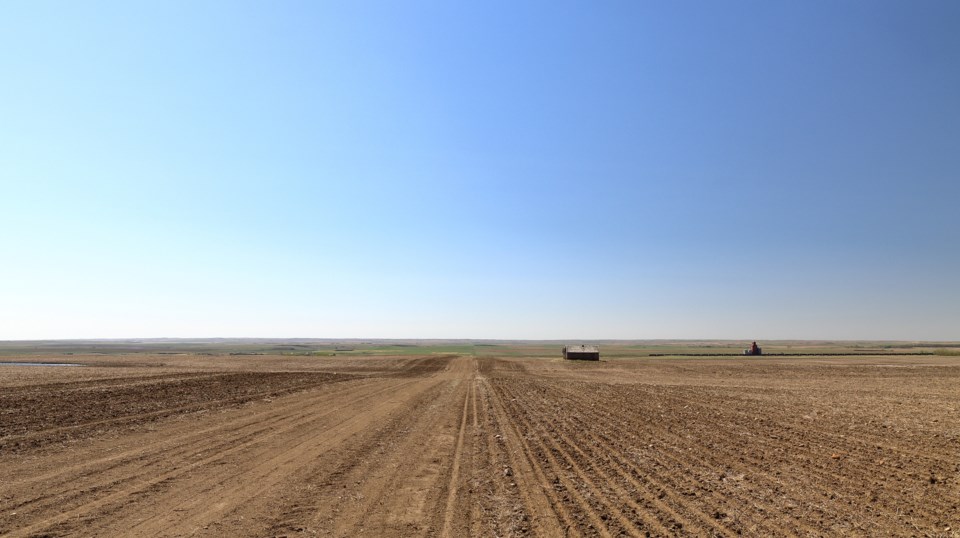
x: 510, y: 170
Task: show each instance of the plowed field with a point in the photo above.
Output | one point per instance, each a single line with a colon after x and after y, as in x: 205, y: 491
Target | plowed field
x: 480, y: 446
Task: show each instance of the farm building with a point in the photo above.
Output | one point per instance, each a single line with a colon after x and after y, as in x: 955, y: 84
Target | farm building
x: 581, y: 352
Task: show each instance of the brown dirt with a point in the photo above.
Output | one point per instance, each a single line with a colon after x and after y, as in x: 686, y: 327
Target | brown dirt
x: 458, y: 446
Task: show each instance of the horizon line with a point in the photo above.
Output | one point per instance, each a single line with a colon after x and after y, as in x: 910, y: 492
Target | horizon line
x: 436, y: 339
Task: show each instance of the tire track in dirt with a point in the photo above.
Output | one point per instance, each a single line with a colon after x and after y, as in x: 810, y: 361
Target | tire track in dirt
x: 90, y: 407
x: 661, y: 478
x: 749, y: 410
x: 582, y: 444
x: 453, y: 485
x: 538, y: 493
x: 674, y: 490
x: 447, y: 446
x: 178, y: 440
x: 639, y: 524
x: 500, y: 510
x: 326, y: 498
x: 833, y: 474
x: 146, y: 459
x: 97, y: 384
x: 859, y: 407
x: 398, y: 490
x: 780, y: 478
x: 148, y: 478
x: 597, y: 516
x: 731, y: 456
x: 397, y: 483
x: 672, y: 485
x: 546, y: 460
x: 277, y: 462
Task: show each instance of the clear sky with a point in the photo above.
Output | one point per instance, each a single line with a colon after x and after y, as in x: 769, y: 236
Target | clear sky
x: 551, y: 169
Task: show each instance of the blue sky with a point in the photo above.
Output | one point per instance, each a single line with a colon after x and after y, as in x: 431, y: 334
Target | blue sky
x: 565, y: 170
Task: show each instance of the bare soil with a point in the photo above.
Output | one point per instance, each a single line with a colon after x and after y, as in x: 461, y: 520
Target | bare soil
x: 191, y: 445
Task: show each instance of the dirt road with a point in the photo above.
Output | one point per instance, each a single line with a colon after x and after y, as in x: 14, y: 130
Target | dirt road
x: 458, y: 446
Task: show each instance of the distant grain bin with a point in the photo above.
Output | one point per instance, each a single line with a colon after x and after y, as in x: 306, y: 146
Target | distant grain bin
x: 581, y: 353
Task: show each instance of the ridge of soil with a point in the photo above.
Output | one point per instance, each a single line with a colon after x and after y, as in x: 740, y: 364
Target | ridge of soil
x: 447, y: 445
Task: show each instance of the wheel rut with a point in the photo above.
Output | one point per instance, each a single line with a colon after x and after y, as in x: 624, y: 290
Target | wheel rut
x: 444, y: 445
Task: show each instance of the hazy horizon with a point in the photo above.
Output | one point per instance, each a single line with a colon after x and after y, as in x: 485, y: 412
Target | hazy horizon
x: 254, y: 339
x: 497, y: 171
